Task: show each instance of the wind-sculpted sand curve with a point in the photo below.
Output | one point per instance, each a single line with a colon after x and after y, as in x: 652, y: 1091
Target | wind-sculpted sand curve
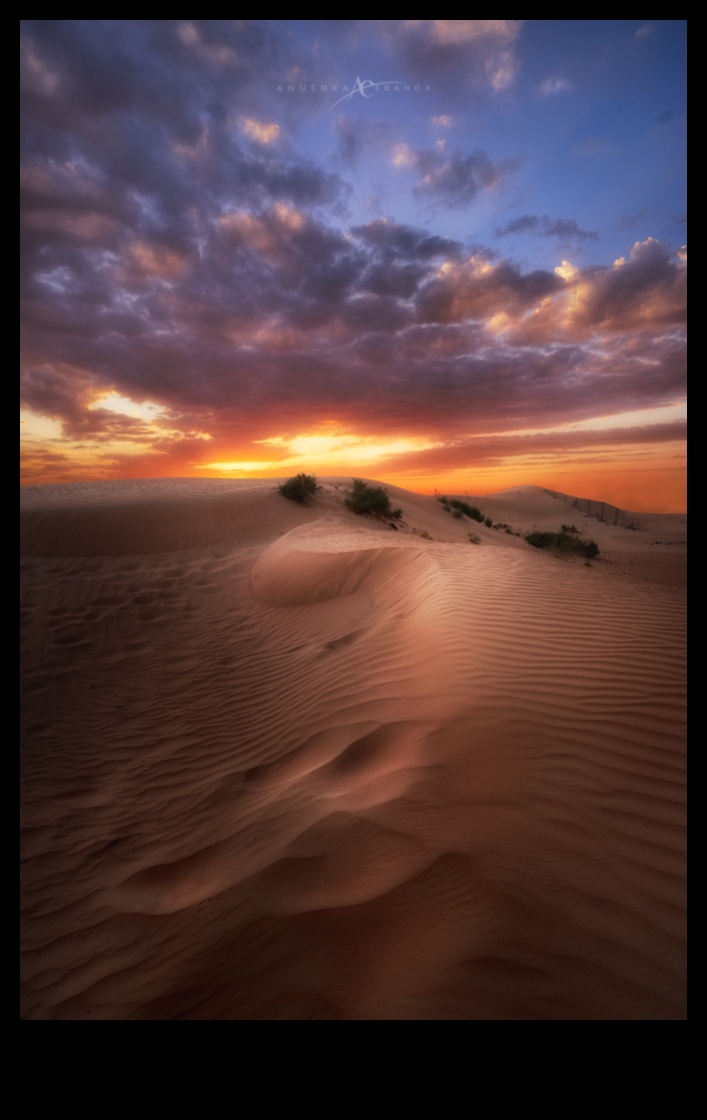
x: 285, y: 763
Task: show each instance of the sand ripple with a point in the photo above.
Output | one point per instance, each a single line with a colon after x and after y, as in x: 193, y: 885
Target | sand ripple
x: 287, y: 764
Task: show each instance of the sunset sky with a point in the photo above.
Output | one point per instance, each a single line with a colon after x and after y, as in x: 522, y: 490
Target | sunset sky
x: 444, y: 253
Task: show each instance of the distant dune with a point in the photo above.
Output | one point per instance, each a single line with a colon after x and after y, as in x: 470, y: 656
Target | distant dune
x: 287, y: 763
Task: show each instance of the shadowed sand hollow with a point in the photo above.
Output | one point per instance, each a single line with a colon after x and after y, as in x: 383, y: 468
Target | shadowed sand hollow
x: 287, y: 763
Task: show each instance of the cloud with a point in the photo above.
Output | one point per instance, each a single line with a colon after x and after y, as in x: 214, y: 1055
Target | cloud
x: 180, y: 250
x: 285, y: 313
x: 447, y: 32
x: 648, y: 289
x: 358, y: 138
x: 564, y: 228
x: 259, y: 131
x: 394, y: 240
x: 453, y: 179
x: 478, y: 289
x: 552, y: 86
x: 465, y: 54
x: 644, y: 293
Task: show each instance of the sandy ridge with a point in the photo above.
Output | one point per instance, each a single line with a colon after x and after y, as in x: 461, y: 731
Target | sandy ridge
x: 288, y: 763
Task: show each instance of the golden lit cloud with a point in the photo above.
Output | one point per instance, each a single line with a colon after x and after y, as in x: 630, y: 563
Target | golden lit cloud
x: 257, y: 130
x: 466, y: 30
x: 345, y: 448
x: 566, y: 270
x: 325, y: 451
x: 123, y: 406
x: 403, y: 156
x: 81, y: 227
x: 289, y: 216
x: 253, y: 468
x: 157, y: 260
x: 211, y: 52
x: 498, y: 323
x: 33, y: 426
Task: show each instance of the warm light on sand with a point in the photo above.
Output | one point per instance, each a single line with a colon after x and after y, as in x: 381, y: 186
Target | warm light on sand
x: 281, y: 762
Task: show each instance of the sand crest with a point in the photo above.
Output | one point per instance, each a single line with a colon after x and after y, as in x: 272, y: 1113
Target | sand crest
x: 287, y: 763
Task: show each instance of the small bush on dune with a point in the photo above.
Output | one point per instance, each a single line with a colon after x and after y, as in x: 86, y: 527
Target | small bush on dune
x: 564, y: 544
x: 371, y: 500
x: 471, y: 511
x: 300, y: 488
x: 458, y: 508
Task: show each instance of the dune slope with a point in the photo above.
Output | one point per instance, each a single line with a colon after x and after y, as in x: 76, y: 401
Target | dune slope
x: 286, y: 763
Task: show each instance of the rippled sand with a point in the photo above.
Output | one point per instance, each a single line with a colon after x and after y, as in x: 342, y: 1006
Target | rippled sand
x: 288, y: 763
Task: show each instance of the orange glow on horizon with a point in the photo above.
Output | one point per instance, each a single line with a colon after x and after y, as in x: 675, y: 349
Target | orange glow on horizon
x: 655, y: 488
x: 641, y: 476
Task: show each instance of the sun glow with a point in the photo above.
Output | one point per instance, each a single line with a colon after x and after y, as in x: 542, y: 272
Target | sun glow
x: 322, y: 451
x: 124, y: 406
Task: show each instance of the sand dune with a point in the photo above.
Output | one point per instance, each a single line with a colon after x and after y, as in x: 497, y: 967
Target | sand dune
x: 287, y: 763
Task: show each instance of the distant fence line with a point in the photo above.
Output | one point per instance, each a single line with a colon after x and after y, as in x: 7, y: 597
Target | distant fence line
x: 603, y: 511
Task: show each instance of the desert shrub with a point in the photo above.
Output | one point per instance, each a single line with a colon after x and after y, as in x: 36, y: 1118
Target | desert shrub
x: 371, y: 500
x: 471, y: 511
x: 564, y: 544
x: 474, y: 538
x: 443, y: 499
x: 569, y: 529
x: 458, y: 514
x: 488, y: 523
x: 300, y: 488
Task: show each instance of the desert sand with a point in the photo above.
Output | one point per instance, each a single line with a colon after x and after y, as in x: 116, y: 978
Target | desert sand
x: 287, y: 763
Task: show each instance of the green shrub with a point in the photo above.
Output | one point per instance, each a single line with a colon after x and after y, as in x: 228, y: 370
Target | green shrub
x: 371, y: 500
x: 564, y: 544
x: 471, y: 511
x: 488, y: 523
x: 300, y: 488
